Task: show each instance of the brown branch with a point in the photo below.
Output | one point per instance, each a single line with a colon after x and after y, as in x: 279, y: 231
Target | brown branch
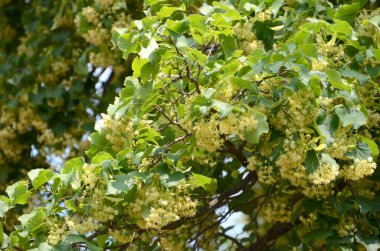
x: 192, y: 79
x: 235, y: 241
x: 238, y: 153
x: 158, y: 108
x: 274, y: 232
x: 277, y: 229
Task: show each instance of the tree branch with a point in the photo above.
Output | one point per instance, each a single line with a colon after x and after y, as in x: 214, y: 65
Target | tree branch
x: 274, y: 232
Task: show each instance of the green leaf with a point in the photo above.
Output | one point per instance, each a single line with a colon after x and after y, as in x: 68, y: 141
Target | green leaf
x: 145, y: 52
x: 368, y: 205
x: 318, y: 234
x: 179, y: 27
x: 243, y: 83
x: 375, y: 20
x: 137, y: 64
x: 342, y: 27
x: 309, y: 50
x: 100, y: 157
x: 198, y: 27
x: 209, y: 184
x: 355, y: 74
x: 372, y: 145
x: 4, y: 205
x: 40, y: 177
x: 348, y: 12
x: 361, y: 151
x: 170, y: 180
x: 228, y: 44
x: 197, y: 56
x: 335, y: 80
x: 312, y: 161
x: 351, y: 116
x: 207, y: 93
x: 123, y: 183
x: 98, y: 143
x: 18, y: 193
x: 128, y: 43
x: 253, y: 136
x: 73, y: 164
x: 275, y: 6
x: 166, y: 11
x: 33, y: 221
x: 370, y: 244
x: 223, y: 108
x: 43, y: 246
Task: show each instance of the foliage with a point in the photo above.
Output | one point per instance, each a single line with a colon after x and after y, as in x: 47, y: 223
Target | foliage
x: 48, y: 97
x: 269, y: 108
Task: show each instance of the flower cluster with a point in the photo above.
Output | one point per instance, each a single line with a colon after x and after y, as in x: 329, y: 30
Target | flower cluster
x: 212, y: 132
x: 360, y: 169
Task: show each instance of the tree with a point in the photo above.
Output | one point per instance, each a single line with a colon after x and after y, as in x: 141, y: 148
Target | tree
x: 266, y: 108
x: 49, y: 98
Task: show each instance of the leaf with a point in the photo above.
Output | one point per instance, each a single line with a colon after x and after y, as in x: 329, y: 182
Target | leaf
x: 43, y: 246
x: 335, y: 80
x: 312, y: 161
x: 375, y: 20
x: 309, y: 50
x: 354, y: 74
x: 137, y: 64
x: 170, y: 180
x: 197, y: 56
x: 73, y: 164
x: 368, y: 205
x: 253, y: 136
x: 4, y: 205
x: 275, y: 6
x: 145, y: 52
x: 228, y: 44
x: 98, y: 143
x: 223, y: 108
x: 40, y: 177
x: 243, y: 83
x: 372, y: 145
x: 342, y: 27
x: 352, y: 117
x: 33, y: 221
x: 198, y: 27
x: 127, y: 42
x: 328, y: 127
x: 100, y: 157
x: 179, y: 27
x: 318, y: 234
x: 361, y: 151
x: 370, y: 244
x: 209, y: 184
x: 123, y: 183
x: 18, y: 193
x: 166, y: 11
x: 348, y: 12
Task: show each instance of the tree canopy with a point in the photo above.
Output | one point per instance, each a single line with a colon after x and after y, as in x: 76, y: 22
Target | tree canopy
x: 267, y: 108
x: 49, y: 98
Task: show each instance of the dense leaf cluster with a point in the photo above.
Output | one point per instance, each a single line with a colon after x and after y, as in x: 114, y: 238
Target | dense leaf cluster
x: 266, y: 108
x: 49, y: 97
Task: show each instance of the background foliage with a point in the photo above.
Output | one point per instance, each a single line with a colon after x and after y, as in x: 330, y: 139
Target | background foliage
x: 49, y: 97
x: 268, y: 108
